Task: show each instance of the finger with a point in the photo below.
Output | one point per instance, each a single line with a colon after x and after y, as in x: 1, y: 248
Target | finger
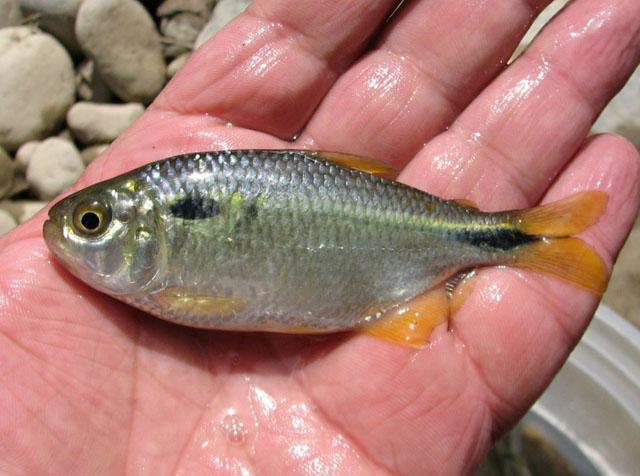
x: 519, y: 327
x: 268, y: 69
x: 432, y: 61
x: 510, y: 142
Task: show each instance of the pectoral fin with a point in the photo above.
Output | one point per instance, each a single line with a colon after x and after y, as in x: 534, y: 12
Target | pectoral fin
x: 357, y: 162
x: 187, y: 301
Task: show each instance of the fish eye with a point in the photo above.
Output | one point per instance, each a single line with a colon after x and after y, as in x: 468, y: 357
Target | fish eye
x: 91, y: 218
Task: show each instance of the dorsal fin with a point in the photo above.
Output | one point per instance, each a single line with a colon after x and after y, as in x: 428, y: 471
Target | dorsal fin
x: 364, y: 164
x: 463, y: 202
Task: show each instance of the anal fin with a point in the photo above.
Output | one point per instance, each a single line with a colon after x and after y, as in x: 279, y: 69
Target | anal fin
x: 412, y: 322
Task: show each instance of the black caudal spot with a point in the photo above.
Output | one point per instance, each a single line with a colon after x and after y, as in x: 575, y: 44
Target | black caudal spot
x: 501, y: 239
x: 195, y: 208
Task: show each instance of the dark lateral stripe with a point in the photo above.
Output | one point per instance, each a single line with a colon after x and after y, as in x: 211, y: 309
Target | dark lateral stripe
x: 191, y: 208
x: 498, y: 239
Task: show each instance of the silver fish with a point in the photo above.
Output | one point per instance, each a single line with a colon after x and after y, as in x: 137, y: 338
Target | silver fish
x: 298, y: 241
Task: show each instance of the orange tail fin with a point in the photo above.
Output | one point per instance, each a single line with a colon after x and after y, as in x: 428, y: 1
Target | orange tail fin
x: 556, y: 252
x: 565, y: 217
x: 570, y: 259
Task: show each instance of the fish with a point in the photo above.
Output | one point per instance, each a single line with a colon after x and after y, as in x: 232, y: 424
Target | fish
x: 303, y: 241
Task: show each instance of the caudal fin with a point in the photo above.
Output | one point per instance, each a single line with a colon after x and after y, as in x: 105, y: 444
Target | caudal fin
x: 570, y: 259
x: 565, y: 217
x: 556, y: 252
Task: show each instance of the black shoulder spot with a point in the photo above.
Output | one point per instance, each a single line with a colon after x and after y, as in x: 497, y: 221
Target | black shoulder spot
x: 192, y: 208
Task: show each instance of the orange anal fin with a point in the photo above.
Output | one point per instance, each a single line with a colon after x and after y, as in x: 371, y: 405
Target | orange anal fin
x: 458, y: 288
x: 357, y: 162
x: 412, y: 322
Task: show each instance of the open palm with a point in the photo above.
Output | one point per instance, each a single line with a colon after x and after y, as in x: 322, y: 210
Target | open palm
x: 92, y: 386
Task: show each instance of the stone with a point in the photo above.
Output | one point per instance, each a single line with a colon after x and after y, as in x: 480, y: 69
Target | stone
x: 19, y: 186
x: 176, y: 64
x: 223, y: 13
x: 24, y: 154
x: 180, y: 23
x: 36, y: 85
x: 10, y: 14
x: 7, y: 173
x: 56, y: 7
x: 22, y: 210
x: 622, y: 294
x: 89, y: 84
x: 622, y: 114
x: 99, y: 123
x: 7, y: 222
x: 91, y: 153
x: 171, y: 7
x: 66, y: 135
x: 55, y: 165
x: 180, y: 32
x: 58, y: 18
x: 121, y: 38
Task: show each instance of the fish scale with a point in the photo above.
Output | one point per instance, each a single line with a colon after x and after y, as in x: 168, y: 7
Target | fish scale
x: 305, y: 238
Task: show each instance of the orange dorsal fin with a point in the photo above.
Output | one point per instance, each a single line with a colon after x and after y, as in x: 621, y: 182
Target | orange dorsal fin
x: 564, y: 217
x: 463, y: 202
x: 364, y: 164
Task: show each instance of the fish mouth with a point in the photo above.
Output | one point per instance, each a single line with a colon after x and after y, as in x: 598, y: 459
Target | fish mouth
x: 52, y: 234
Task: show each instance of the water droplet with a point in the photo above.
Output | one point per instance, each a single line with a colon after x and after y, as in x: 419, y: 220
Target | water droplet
x: 234, y: 429
x: 235, y: 359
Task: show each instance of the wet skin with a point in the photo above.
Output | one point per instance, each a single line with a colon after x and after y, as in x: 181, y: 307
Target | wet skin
x: 92, y: 386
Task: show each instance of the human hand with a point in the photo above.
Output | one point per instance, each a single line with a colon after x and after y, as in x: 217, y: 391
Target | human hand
x: 92, y: 386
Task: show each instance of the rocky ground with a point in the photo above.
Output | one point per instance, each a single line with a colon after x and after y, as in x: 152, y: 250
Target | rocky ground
x: 76, y: 73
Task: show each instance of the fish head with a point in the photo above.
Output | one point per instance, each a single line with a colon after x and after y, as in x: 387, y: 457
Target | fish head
x: 107, y: 235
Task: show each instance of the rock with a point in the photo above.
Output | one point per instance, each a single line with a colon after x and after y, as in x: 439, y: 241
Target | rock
x: 122, y: 40
x: 99, y: 123
x: 199, y: 7
x: 55, y: 165
x: 180, y: 23
x: 622, y: 294
x: 58, y: 18
x: 48, y: 7
x: 7, y: 172
x: 24, y: 154
x: 7, y: 222
x: 91, y: 153
x: 622, y: 115
x: 223, y: 13
x: 22, y: 210
x: 90, y: 85
x: 19, y: 186
x: 36, y: 85
x: 180, y: 32
x: 176, y: 64
x: 10, y: 13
